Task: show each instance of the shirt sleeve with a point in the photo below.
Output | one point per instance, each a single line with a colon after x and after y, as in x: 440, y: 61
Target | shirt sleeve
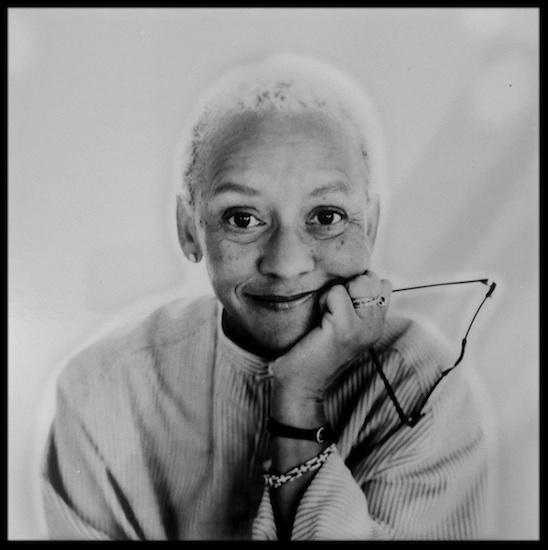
x: 428, y: 482
x: 80, y: 496
x: 333, y: 507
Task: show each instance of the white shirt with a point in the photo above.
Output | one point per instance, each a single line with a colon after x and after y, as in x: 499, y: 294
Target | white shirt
x: 160, y: 434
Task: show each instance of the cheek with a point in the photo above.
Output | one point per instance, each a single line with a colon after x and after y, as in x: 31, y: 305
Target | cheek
x: 227, y: 262
x: 346, y: 255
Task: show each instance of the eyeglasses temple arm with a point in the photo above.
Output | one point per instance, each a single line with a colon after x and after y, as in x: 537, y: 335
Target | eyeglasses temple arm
x: 464, y: 340
x: 414, y: 418
x: 483, y: 281
x: 388, y: 388
x: 417, y: 416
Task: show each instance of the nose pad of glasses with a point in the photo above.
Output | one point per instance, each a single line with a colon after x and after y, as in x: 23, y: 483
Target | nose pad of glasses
x: 492, y: 287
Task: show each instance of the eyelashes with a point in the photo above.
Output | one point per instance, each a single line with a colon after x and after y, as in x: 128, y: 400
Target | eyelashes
x: 242, y: 220
x: 327, y: 217
x: 323, y: 218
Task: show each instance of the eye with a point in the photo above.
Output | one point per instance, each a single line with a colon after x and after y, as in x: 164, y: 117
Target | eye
x: 242, y: 220
x: 327, y: 217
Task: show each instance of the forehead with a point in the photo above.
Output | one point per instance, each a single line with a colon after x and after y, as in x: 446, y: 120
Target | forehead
x: 302, y: 144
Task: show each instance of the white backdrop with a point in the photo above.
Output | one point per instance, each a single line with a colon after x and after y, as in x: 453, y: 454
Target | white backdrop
x: 96, y: 101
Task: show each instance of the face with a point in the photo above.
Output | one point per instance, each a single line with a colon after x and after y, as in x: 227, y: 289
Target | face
x: 282, y: 212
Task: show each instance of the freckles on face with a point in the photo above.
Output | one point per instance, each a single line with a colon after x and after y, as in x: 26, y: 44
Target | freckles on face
x: 226, y: 260
x: 348, y: 254
x: 282, y: 214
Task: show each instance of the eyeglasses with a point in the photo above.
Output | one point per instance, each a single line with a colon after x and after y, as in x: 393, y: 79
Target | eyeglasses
x: 413, y: 418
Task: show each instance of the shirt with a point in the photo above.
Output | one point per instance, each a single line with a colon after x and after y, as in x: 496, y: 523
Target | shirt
x: 160, y: 433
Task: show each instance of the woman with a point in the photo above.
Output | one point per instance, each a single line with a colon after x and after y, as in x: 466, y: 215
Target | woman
x: 258, y: 412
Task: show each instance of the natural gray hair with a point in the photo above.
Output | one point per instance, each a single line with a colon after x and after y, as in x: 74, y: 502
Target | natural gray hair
x: 288, y: 84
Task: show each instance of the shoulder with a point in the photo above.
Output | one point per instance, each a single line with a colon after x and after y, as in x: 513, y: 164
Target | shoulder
x: 417, y: 354
x: 420, y: 349
x: 126, y: 355
x: 413, y: 356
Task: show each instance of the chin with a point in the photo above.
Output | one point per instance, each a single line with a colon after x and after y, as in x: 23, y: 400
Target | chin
x: 277, y: 338
x: 277, y: 344
x: 267, y: 337
x: 269, y: 333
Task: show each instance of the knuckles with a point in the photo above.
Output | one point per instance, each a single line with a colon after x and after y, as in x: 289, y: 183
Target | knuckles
x: 359, y: 287
x: 365, y: 286
x: 345, y: 330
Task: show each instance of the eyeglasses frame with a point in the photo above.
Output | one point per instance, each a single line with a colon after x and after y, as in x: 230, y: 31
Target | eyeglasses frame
x: 413, y: 418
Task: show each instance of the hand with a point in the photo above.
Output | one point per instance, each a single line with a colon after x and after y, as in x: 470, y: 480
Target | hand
x: 308, y: 368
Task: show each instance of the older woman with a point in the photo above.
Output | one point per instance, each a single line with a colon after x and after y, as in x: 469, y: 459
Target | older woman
x: 259, y: 413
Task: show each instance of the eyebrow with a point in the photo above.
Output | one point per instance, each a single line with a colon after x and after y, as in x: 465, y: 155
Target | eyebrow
x: 333, y: 187
x: 231, y: 187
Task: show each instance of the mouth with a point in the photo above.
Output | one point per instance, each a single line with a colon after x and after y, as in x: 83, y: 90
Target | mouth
x: 278, y: 302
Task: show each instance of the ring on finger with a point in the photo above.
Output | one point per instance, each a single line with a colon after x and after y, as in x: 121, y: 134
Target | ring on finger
x: 369, y: 301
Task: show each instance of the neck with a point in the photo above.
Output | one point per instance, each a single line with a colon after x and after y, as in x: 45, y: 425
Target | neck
x: 233, y: 331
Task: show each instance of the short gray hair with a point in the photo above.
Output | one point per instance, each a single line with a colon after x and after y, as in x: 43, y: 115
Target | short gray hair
x: 286, y: 83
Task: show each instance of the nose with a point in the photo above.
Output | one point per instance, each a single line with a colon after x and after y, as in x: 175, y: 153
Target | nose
x: 286, y: 255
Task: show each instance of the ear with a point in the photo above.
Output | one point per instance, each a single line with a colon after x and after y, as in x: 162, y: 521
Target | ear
x: 186, y: 231
x: 373, y: 213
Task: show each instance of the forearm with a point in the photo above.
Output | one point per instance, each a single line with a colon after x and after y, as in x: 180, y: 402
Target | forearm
x: 302, y: 376
x: 333, y: 506
x: 294, y: 410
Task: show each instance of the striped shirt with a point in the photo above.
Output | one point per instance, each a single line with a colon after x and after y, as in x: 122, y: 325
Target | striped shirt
x: 160, y: 433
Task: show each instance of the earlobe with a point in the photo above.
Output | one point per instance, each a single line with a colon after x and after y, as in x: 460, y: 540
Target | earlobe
x: 186, y: 231
x: 373, y: 213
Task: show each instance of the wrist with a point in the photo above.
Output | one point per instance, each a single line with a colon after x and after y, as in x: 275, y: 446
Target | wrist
x: 320, y: 434
x: 293, y: 375
x: 296, y: 407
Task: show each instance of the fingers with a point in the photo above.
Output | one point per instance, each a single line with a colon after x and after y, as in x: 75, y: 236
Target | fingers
x: 363, y: 286
x: 338, y: 302
x: 386, y: 292
x: 368, y: 291
x: 361, y: 297
x: 353, y: 327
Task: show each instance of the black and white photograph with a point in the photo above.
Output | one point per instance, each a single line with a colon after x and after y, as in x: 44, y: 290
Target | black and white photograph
x: 273, y: 273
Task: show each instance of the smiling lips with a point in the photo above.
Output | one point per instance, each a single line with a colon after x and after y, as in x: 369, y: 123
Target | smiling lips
x: 278, y: 302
